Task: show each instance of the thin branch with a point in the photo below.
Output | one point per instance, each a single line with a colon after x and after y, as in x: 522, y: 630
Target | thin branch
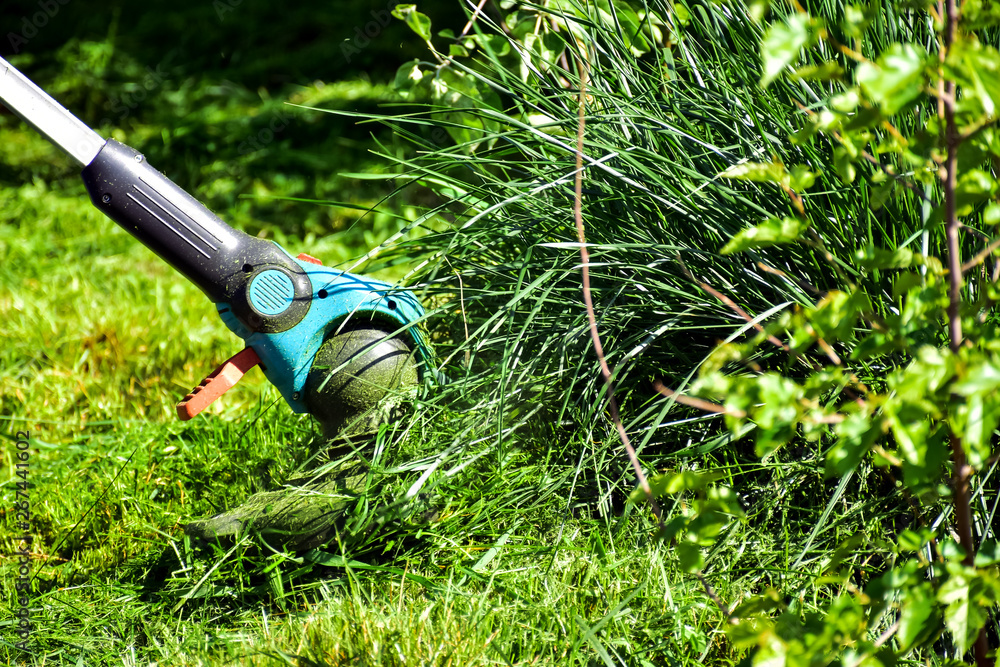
x: 708, y: 406
x: 589, y: 301
x: 981, y: 256
x: 801, y: 283
x: 975, y: 232
x: 829, y: 351
x: 729, y: 302
x: 887, y: 635
x: 698, y: 403
x: 952, y: 140
x: 742, y: 313
x: 962, y: 470
x: 710, y: 592
x: 472, y: 19
x: 773, y: 339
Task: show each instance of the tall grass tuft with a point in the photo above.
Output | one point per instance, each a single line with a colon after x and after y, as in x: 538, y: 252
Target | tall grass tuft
x: 663, y: 122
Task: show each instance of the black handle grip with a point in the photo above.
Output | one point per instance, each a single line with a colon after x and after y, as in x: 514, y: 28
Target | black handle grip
x: 217, y: 258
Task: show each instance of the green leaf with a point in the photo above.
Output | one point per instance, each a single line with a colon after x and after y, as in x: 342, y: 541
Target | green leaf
x: 706, y: 525
x: 722, y: 355
x: 827, y: 71
x: 855, y: 436
x: 952, y: 550
x: 407, y: 76
x: 928, y: 374
x: 922, y: 451
x: 689, y: 480
x: 975, y: 420
x: 845, y: 550
x: 924, y: 304
x: 845, y: 616
x: 761, y: 172
x: 836, y: 314
x: 988, y: 554
x: 977, y: 416
x: 878, y: 194
x: 991, y: 216
x: 725, y: 501
x: 856, y: 20
x: 758, y: 9
x: 631, y: 28
x: 777, y: 412
x: 873, y: 257
x: 977, y: 68
x: 904, y: 282
x: 758, y: 604
x: 845, y: 102
x: 682, y: 13
x: 895, y: 79
x: 662, y: 484
x: 981, y: 376
x: 974, y: 187
x: 843, y: 164
x: 917, y: 618
x: 801, y: 178
x: 912, y: 540
x: 672, y: 528
x: 418, y: 23
x: 823, y: 121
x: 863, y: 118
x: 971, y: 154
x: 968, y: 596
x: 770, y: 232
x: 873, y: 345
x: 550, y: 47
x: 499, y: 45
x: 690, y: 556
x: 657, y: 487
x: 749, y: 631
x: 782, y: 44
x: 907, y: 573
x: 979, y: 14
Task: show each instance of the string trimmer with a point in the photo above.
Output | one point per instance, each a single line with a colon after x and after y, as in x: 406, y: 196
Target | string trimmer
x: 333, y: 343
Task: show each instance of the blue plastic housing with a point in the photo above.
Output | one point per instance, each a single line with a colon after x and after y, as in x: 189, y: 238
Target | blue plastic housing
x: 337, y: 297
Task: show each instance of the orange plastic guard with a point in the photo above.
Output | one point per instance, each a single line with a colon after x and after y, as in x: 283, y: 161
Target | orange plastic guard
x: 308, y: 258
x: 218, y: 383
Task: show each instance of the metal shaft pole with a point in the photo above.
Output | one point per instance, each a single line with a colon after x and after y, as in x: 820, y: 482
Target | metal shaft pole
x: 48, y: 117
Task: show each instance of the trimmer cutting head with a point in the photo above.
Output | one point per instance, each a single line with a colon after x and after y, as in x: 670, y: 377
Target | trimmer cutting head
x: 355, y: 376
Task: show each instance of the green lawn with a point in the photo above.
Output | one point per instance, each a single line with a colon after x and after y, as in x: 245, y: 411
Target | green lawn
x: 102, y: 339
